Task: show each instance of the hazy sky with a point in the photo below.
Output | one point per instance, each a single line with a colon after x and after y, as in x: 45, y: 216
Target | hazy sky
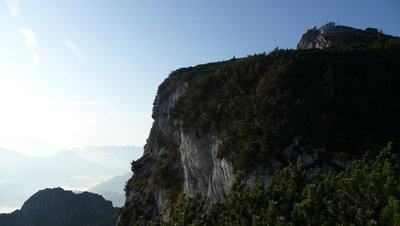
x: 78, y: 73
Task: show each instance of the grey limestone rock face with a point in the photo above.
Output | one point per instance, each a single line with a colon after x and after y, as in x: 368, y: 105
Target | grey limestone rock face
x: 313, y: 38
x: 338, y: 36
x: 203, y: 171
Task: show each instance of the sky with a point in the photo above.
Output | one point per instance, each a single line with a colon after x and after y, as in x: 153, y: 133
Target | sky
x: 85, y: 73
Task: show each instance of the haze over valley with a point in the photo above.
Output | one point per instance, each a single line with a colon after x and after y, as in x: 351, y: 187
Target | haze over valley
x: 83, y: 169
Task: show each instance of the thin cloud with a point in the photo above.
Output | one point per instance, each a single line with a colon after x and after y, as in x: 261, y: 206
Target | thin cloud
x: 31, y: 42
x: 110, y: 113
x: 13, y: 6
x: 72, y: 47
x: 81, y: 103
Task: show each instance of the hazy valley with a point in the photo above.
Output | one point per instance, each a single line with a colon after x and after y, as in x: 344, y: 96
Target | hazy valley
x: 103, y: 170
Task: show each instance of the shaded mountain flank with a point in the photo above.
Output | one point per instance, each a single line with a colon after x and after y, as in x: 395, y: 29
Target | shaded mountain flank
x: 222, y: 127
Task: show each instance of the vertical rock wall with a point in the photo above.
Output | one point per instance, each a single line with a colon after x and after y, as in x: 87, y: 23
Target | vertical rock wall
x: 198, y: 166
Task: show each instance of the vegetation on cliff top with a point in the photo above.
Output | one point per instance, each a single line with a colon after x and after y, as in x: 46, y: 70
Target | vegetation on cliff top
x: 345, y: 101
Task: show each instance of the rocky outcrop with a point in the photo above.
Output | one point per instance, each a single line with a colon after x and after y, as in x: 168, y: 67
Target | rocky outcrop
x: 203, y: 171
x: 57, y: 207
x: 331, y: 35
x: 159, y: 177
x: 198, y: 168
x: 313, y: 39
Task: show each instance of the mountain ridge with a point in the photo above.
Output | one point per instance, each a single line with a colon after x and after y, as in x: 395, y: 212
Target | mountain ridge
x: 258, y: 114
x: 337, y: 36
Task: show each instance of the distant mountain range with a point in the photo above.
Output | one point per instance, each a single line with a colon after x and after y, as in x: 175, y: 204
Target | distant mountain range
x: 116, y: 158
x: 57, y: 207
x: 113, y: 189
x: 76, y: 169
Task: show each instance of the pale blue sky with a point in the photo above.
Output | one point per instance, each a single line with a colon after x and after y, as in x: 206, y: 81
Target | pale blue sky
x: 78, y: 73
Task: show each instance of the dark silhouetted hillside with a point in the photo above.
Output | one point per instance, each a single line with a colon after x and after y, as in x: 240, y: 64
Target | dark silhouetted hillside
x: 57, y: 207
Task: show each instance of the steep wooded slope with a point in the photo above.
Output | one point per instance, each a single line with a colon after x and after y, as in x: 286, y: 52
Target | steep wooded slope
x: 257, y: 114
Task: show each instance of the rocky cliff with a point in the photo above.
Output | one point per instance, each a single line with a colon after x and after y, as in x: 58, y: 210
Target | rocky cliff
x: 193, y: 167
x: 257, y: 114
x: 57, y: 207
x: 331, y: 35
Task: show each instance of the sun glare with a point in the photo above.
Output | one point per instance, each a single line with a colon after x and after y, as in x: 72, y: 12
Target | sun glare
x: 26, y: 115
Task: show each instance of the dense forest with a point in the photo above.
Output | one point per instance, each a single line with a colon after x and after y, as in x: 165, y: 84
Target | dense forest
x: 344, y: 102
